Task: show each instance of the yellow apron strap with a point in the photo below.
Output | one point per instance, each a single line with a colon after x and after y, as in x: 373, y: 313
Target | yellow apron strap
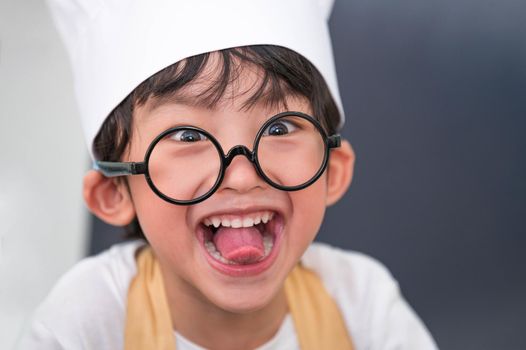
x: 317, y: 320
x: 148, y: 320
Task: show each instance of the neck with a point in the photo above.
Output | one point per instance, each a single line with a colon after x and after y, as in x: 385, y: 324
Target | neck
x: 202, y: 322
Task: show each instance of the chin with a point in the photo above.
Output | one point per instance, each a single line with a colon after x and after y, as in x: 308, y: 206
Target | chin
x: 244, y: 300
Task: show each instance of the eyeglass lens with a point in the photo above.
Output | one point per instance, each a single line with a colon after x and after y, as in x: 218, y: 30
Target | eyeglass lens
x: 186, y: 164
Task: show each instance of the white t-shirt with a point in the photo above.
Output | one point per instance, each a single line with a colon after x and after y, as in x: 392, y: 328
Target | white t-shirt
x: 86, y: 308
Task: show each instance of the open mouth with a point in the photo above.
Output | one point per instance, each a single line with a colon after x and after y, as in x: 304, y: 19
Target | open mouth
x: 241, y: 240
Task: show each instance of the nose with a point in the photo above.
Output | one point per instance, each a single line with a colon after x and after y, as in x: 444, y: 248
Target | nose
x: 241, y: 174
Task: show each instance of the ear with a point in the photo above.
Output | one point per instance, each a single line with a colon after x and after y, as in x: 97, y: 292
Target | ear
x: 108, y: 198
x: 340, y: 172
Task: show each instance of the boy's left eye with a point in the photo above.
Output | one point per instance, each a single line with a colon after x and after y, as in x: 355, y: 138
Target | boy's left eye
x: 279, y: 127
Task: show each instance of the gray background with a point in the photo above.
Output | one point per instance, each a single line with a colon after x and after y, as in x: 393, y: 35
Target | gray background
x: 435, y: 98
x: 42, y: 157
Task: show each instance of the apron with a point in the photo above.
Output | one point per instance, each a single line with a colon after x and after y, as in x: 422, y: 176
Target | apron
x: 317, y: 319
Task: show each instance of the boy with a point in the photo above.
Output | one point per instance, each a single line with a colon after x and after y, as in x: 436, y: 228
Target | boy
x: 213, y: 129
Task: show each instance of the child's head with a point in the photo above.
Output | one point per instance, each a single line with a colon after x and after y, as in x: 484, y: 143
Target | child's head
x: 280, y: 74
x: 230, y: 94
x: 233, y: 249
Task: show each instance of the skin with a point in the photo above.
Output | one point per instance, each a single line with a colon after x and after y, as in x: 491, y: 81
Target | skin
x: 208, y: 307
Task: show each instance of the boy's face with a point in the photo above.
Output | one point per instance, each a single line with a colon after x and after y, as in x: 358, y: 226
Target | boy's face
x: 178, y: 234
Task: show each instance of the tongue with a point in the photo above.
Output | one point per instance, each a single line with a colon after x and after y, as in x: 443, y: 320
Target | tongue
x: 240, y: 245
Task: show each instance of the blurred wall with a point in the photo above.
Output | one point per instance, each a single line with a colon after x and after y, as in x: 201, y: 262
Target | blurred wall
x: 42, y: 159
x: 435, y: 95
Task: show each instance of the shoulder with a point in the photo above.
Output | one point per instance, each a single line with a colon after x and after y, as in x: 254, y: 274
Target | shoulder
x: 86, y: 307
x: 376, y: 314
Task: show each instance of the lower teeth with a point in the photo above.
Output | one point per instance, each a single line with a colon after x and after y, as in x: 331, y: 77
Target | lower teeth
x: 268, y: 243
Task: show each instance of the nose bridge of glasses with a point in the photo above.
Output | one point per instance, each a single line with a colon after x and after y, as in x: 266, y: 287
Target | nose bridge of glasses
x: 238, y: 151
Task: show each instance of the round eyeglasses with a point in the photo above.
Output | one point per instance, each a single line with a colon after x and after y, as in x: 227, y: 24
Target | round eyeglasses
x: 185, y: 165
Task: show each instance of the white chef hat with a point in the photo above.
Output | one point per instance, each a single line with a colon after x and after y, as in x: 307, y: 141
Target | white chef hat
x: 114, y: 45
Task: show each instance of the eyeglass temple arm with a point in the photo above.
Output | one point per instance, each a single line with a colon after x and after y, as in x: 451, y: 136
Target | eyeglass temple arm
x: 334, y: 141
x: 113, y: 169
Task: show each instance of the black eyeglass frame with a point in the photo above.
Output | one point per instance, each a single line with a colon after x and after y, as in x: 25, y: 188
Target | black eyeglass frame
x: 114, y: 169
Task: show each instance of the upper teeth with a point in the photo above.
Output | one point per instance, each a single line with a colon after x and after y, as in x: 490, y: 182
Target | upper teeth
x: 239, y: 221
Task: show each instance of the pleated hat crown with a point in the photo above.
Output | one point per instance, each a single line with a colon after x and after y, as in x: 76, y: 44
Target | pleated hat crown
x: 114, y: 45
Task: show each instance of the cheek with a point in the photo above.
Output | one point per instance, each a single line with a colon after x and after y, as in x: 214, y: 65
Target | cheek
x: 309, y: 210
x: 162, y: 223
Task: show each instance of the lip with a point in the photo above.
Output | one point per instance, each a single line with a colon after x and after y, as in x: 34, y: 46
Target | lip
x: 249, y: 269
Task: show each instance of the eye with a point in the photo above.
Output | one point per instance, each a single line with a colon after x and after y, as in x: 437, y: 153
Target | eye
x: 188, y: 136
x: 279, y: 128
